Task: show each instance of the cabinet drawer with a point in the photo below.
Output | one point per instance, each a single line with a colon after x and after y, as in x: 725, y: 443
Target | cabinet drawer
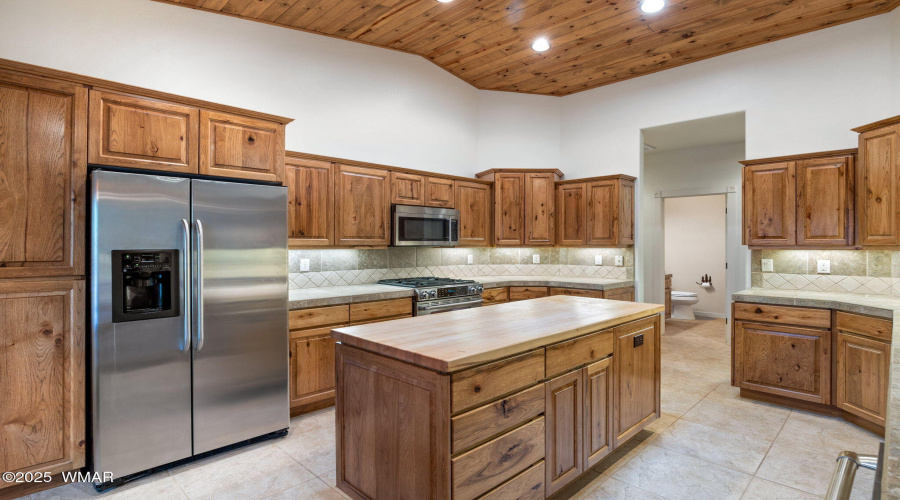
x: 566, y: 355
x: 783, y: 315
x: 623, y: 294
x: 484, y: 383
x: 528, y: 485
x: 577, y: 292
x: 494, y: 462
x: 318, y: 317
x: 527, y: 292
x: 867, y: 326
x: 495, y: 295
x: 481, y: 423
x: 369, y: 311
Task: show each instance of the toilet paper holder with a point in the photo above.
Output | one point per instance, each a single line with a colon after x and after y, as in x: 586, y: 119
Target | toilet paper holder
x: 705, y: 281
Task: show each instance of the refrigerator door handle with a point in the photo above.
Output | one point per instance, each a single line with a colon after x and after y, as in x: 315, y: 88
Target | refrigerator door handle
x: 199, y: 285
x: 186, y: 270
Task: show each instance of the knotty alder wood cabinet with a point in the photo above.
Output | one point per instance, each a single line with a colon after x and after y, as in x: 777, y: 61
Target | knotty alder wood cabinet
x: 524, y: 206
x: 801, y: 200
x: 595, y: 212
x: 423, y: 190
x: 474, y: 202
x: 310, y: 186
x: 820, y: 360
x: 878, y: 183
x: 362, y: 206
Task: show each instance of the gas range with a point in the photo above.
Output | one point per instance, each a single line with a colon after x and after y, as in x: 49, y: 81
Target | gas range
x: 434, y: 295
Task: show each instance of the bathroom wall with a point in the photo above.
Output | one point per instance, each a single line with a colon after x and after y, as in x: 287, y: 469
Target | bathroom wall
x: 852, y: 271
x: 695, y: 245
x: 356, y: 267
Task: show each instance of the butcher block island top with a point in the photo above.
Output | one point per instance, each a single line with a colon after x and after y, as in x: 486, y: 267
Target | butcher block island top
x: 457, y: 340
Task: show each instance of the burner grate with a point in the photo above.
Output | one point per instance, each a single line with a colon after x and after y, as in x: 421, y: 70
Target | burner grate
x: 423, y: 281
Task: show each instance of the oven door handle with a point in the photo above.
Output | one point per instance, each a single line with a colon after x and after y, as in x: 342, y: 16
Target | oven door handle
x: 456, y: 305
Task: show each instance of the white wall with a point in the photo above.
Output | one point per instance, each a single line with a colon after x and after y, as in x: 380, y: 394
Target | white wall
x: 695, y: 246
x: 518, y: 131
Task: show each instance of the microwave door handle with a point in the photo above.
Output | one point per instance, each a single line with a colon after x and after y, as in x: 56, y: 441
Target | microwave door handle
x: 186, y: 270
x: 199, y: 285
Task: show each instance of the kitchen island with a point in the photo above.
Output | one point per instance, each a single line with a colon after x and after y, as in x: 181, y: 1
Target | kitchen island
x: 512, y: 401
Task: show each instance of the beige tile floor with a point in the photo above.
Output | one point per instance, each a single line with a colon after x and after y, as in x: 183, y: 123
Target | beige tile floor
x: 708, y: 444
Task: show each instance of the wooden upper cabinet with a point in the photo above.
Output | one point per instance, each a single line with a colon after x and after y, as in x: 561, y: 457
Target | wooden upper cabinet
x: 241, y: 147
x: 43, y: 164
x: 473, y: 200
x: 770, y: 204
x: 825, y: 201
x: 310, y: 186
x: 362, y: 206
x: 509, y: 209
x: 407, y: 189
x: 42, y: 352
x: 603, y: 212
x: 571, y: 214
x: 540, y: 194
x: 626, y: 212
x: 136, y: 132
x: 439, y: 192
x: 878, y: 186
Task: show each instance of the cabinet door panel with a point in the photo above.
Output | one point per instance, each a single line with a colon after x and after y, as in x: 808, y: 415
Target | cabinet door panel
x: 128, y: 131
x: 310, y: 186
x: 878, y: 187
x: 439, y: 192
x: 636, y: 378
x: 473, y: 201
x: 787, y: 361
x: 539, y: 209
x: 509, y: 209
x: 312, y: 366
x: 626, y: 213
x: 769, y: 205
x: 407, y: 189
x: 241, y: 147
x: 571, y: 212
x: 863, y: 376
x: 564, y: 414
x: 42, y: 417
x: 597, y: 421
x: 43, y: 164
x: 362, y: 206
x: 602, y: 212
x: 825, y: 201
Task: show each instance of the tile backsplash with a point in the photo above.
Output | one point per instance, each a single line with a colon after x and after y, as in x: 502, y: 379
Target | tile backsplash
x: 357, y: 267
x: 852, y: 271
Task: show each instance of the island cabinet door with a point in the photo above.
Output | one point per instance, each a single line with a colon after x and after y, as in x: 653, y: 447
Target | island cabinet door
x: 636, y: 377
x: 597, y: 421
x: 564, y: 415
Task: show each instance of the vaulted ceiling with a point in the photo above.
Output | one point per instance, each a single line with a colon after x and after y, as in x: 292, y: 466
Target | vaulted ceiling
x: 593, y: 42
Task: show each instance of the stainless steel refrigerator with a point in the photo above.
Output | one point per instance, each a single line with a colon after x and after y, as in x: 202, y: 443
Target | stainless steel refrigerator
x: 188, y: 316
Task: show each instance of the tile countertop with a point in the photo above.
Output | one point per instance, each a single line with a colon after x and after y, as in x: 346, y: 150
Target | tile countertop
x: 873, y: 305
x: 337, y: 295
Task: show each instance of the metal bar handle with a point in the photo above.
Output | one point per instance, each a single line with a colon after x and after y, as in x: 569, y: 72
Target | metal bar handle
x: 186, y: 269
x: 200, y: 334
x: 842, y: 480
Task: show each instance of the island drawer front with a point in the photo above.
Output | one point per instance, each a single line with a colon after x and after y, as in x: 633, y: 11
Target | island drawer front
x: 578, y: 292
x: 867, y: 326
x: 497, y: 417
x: 527, y: 292
x: 483, y: 383
x: 564, y: 356
x: 491, y: 464
x: 783, y: 315
x: 367, y: 311
x: 318, y: 317
x: 495, y: 295
x: 528, y: 485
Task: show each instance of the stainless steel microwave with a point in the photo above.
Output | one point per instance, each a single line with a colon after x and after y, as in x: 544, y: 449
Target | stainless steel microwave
x: 424, y: 226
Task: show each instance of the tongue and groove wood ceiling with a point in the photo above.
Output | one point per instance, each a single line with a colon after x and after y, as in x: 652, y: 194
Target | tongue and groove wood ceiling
x: 487, y: 43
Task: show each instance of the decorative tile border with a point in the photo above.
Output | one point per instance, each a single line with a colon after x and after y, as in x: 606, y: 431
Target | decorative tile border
x: 832, y: 283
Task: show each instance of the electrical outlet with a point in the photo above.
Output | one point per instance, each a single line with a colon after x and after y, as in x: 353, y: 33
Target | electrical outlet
x: 620, y: 260
x: 598, y: 260
x: 470, y: 259
x: 823, y: 266
x: 535, y: 259
x: 768, y: 266
x: 304, y: 265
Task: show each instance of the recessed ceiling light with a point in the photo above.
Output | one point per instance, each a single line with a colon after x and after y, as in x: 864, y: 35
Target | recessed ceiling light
x: 651, y: 6
x: 541, y: 44
x: 445, y: 1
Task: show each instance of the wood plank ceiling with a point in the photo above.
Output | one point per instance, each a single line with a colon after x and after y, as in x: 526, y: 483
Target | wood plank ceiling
x: 487, y: 43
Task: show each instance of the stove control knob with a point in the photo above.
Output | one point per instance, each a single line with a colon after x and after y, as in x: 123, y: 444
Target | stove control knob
x: 423, y: 294
x: 472, y: 290
x: 480, y: 288
x: 432, y: 294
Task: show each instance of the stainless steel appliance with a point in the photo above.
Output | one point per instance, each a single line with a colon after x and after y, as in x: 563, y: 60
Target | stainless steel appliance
x: 437, y: 295
x: 425, y: 226
x: 188, y: 317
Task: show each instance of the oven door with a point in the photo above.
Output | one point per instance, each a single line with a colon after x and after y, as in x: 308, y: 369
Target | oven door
x: 423, y: 226
x: 425, y: 308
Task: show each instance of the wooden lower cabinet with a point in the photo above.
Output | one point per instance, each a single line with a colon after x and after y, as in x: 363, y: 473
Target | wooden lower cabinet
x: 597, y: 294
x: 498, y: 295
x: 565, y: 417
x: 42, y: 376
x: 625, y: 294
x: 636, y: 372
x: 862, y: 364
x: 668, y: 292
x: 597, y: 406
x: 527, y: 292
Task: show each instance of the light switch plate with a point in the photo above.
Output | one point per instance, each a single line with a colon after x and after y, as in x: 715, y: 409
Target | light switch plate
x: 535, y: 259
x: 768, y: 266
x: 598, y: 260
x: 304, y: 265
x: 823, y: 266
x: 620, y: 260
x: 470, y: 259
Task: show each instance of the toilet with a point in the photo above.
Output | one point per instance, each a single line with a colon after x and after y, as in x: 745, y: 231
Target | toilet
x: 683, y: 304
